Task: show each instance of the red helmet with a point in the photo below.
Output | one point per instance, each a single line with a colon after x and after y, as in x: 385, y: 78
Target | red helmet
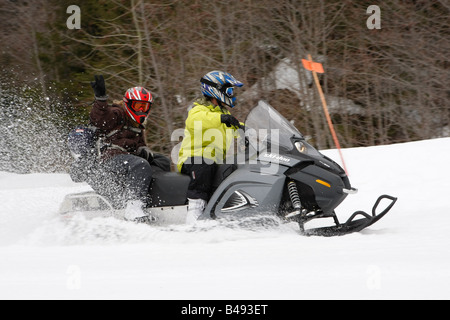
x: 138, y: 102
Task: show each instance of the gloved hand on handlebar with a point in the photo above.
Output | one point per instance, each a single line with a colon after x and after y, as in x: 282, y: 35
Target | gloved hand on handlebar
x: 230, y: 121
x: 146, y: 153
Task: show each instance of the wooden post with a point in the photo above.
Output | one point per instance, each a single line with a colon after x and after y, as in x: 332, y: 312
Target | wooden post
x: 314, y: 68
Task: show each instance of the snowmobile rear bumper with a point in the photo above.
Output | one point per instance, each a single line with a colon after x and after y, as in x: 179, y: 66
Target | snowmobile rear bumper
x: 354, y: 223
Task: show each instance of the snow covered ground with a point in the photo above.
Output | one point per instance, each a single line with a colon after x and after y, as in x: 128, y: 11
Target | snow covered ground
x: 406, y: 255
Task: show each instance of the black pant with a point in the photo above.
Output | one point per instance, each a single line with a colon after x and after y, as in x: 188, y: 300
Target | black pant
x: 202, y: 175
x: 122, y: 178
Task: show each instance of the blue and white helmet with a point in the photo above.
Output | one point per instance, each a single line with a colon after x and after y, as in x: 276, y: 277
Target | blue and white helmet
x: 220, y: 85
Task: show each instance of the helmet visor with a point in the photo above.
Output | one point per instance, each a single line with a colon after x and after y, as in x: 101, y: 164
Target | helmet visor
x: 229, y: 92
x: 140, y: 106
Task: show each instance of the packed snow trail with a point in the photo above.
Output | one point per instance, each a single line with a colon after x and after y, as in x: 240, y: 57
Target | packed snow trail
x: 403, y: 256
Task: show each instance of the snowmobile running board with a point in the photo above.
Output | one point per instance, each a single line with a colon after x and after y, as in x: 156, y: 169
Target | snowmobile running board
x: 352, y: 225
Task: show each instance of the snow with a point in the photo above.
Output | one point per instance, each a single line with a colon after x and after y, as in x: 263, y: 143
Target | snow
x: 406, y: 255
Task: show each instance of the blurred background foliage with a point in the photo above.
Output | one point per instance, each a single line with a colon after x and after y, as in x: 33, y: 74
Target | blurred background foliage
x: 383, y: 85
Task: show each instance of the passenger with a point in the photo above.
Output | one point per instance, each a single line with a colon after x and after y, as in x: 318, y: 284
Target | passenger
x: 124, y: 164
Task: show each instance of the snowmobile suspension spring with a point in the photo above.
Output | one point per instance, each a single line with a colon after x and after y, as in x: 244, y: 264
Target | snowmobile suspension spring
x: 293, y: 194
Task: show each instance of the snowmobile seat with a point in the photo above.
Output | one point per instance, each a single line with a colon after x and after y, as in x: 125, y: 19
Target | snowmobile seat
x: 168, y: 189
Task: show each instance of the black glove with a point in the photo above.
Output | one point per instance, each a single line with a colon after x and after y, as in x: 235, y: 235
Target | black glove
x: 229, y: 120
x: 146, y: 153
x: 99, y: 88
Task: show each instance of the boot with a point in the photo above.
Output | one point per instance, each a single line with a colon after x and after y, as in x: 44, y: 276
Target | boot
x: 195, y: 210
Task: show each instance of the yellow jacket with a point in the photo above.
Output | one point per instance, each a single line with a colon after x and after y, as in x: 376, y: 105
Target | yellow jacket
x: 204, y: 134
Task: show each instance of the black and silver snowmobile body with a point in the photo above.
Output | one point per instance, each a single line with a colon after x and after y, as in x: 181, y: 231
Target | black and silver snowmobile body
x: 278, y: 172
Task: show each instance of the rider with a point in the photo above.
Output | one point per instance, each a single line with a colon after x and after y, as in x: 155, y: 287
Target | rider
x: 125, y: 164
x: 199, y: 155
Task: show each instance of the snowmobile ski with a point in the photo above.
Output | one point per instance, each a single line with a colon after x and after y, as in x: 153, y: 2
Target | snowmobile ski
x: 352, y: 224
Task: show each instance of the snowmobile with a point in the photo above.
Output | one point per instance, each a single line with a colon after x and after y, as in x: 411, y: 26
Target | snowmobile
x: 277, y: 171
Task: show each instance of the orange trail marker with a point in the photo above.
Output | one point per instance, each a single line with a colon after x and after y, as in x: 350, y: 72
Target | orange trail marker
x: 312, y: 66
x: 315, y: 68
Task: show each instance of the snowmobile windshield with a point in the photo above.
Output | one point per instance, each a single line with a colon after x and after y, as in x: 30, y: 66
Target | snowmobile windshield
x: 268, y: 124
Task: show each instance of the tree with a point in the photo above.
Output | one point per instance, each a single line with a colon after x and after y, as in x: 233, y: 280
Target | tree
x: 383, y: 85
